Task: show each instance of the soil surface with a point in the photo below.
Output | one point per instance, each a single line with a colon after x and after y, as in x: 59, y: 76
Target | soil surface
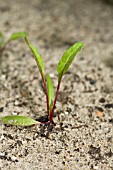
x: 83, y: 136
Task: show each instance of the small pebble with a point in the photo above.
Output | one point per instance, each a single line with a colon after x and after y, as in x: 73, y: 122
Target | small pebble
x: 66, y: 113
x: 52, y: 75
x: 96, y: 167
x: 14, y: 113
x: 2, y: 154
x: 57, y: 127
x: 16, y: 103
x: 99, y: 114
x: 13, y: 158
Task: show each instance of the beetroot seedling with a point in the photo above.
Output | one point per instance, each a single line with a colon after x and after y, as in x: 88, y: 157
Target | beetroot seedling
x: 51, y: 96
x: 13, y: 36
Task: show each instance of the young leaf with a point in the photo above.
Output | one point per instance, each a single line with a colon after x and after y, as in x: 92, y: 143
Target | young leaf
x: 67, y: 59
x: 50, y: 89
x: 37, y: 57
x: 1, y: 40
x: 17, y: 35
x: 19, y: 120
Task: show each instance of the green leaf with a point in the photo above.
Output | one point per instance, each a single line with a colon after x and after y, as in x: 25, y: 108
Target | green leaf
x: 17, y: 35
x: 67, y: 59
x: 50, y: 89
x: 37, y: 57
x: 1, y: 40
x: 19, y: 120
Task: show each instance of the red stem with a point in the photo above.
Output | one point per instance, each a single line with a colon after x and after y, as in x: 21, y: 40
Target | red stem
x: 54, y: 104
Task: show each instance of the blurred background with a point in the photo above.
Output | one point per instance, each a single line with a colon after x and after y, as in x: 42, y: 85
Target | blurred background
x: 57, y: 23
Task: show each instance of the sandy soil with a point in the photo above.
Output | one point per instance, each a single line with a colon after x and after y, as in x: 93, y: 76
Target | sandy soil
x: 82, y: 138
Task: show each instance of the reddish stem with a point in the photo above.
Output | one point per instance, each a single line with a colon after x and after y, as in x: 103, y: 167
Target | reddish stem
x: 54, y: 104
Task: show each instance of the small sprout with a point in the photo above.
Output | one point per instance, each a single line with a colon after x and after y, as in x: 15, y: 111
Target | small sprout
x: 62, y: 67
x: 19, y: 120
x: 51, y: 96
x: 14, y: 36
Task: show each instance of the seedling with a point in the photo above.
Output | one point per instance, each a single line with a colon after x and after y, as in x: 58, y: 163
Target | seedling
x: 51, y: 96
x: 14, y: 36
